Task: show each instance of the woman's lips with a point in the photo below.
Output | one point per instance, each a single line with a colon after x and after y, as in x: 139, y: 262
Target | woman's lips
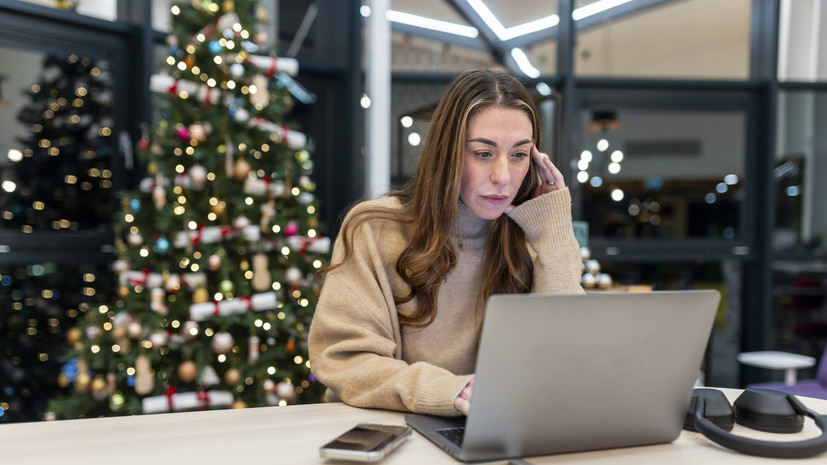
x: 496, y: 199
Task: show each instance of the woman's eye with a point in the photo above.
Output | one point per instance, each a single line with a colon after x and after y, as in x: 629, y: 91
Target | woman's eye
x: 484, y: 154
x: 520, y: 154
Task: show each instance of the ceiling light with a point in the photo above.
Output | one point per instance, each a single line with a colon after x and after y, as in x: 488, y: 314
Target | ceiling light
x: 432, y: 24
x: 595, y: 8
x: 522, y: 62
x: 516, y: 31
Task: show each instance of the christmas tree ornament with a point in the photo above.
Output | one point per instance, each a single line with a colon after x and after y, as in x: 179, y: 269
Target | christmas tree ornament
x: 226, y: 286
x: 189, y: 329
x: 593, y: 267
x: 82, y: 379
x: 209, y: 377
x: 293, y: 275
x: 286, y: 391
x: 214, y: 262
x: 200, y: 296
x: 144, y: 380
x: 159, y: 194
x: 157, y: 303
x: 291, y: 229
x: 116, y: 402
x: 261, y: 273
x: 183, y: 133
x: 260, y: 98
x: 241, y: 169
x: 93, y: 332
x: 187, y: 371
x: 72, y: 335
x: 135, y: 239
x: 198, y: 132
x: 162, y: 245
x: 198, y: 177
x: 232, y: 377
x: 241, y: 222
x: 159, y: 338
x: 238, y: 404
x: 98, y: 388
x: 134, y: 329
x: 253, y: 343
x: 222, y: 342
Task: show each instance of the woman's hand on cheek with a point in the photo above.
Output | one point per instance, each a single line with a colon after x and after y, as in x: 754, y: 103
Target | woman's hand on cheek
x: 551, y: 179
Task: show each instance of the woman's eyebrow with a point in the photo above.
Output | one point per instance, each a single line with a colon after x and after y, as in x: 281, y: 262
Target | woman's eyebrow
x: 494, y: 144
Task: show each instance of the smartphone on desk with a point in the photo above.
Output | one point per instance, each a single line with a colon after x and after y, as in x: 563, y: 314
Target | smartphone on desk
x: 366, y: 442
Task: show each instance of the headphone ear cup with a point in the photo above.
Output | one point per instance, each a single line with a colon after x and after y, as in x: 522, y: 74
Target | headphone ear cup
x: 716, y: 408
x: 767, y: 417
x: 771, y: 411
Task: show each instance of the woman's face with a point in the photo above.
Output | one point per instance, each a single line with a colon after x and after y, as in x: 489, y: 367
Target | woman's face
x: 495, y: 160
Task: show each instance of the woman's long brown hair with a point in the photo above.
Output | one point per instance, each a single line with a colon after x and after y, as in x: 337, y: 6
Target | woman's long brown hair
x: 431, y: 197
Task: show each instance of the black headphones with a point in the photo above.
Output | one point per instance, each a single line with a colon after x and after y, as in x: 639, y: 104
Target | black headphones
x: 776, y: 412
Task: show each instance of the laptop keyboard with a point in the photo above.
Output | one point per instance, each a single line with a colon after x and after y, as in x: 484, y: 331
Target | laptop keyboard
x: 454, y: 435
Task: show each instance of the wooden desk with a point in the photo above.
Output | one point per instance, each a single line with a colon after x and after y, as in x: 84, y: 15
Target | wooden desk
x: 292, y: 435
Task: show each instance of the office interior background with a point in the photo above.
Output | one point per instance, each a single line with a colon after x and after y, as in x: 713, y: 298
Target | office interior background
x: 688, y: 132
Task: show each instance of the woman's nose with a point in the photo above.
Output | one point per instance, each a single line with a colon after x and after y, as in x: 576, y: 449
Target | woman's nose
x: 499, y: 170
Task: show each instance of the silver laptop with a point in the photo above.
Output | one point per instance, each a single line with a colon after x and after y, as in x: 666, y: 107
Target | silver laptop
x: 566, y: 373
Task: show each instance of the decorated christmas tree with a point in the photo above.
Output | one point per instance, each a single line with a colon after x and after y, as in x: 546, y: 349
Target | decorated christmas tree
x: 218, y: 247
x: 61, y: 178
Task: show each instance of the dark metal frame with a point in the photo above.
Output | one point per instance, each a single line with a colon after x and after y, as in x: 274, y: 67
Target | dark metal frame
x: 41, y: 29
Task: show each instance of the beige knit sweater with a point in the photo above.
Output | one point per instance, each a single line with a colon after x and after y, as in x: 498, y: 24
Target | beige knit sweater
x: 358, y: 348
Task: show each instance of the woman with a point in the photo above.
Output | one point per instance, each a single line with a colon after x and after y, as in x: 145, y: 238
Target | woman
x: 400, y: 313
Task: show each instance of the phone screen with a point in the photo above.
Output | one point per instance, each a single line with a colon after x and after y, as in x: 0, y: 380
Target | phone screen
x: 366, y: 438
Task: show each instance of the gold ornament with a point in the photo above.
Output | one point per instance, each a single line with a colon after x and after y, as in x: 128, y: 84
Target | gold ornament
x: 239, y: 404
x: 187, y: 371
x: 261, y: 273
x: 241, y: 169
x: 200, y: 296
x: 72, y: 335
x: 144, y: 381
x: 123, y: 291
x: 232, y: 377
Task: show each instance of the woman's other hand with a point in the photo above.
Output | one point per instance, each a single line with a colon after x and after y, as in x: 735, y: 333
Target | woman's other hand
x: 463, y: 400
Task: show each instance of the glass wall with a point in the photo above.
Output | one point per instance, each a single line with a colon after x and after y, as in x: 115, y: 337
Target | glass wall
x: 705, y: 39
x: 667, y: 174
x: 800, y: 233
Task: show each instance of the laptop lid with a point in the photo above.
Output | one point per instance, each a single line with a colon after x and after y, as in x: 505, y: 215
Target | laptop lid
x: 565, y: 373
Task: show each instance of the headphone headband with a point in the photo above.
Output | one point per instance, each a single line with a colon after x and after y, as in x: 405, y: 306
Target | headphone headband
x: 779, y: 420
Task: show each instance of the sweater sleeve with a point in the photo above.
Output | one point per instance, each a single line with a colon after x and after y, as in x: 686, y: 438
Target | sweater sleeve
x: 546, y: 221
x: 355, y: 340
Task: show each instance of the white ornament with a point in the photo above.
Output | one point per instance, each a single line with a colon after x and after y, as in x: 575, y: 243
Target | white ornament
x: 208, y: 376
x: 587, y: 281
x: 198, y: 176
x: 222, y: 342
x: 190, y: 329
x: 593, y: 267
x: 293, y: 275
x: 241, y: 222
x: 134, y: 239
x: 604, y: 281
x: 585, y: 253
x: 159, y: 339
